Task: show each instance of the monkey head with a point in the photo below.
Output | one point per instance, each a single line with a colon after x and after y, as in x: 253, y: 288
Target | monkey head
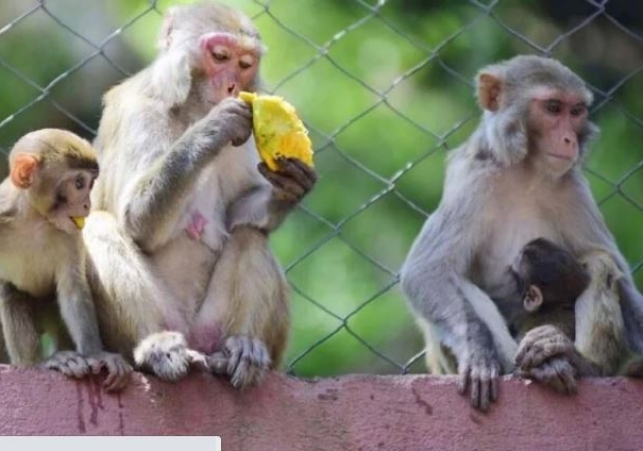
x: 544, y: 104
x: 548, y: 276
x: 207, y: 47
x: 56, y: 170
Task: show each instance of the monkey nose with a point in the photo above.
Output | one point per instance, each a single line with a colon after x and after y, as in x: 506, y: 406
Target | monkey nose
x: 232, y: 89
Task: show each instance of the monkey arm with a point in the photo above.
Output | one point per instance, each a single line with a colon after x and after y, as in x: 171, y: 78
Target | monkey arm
x: 154, y: 201
x: 20, y: 334
x: 259, y: 208
x: 77, y: 308
x: 434, y: 279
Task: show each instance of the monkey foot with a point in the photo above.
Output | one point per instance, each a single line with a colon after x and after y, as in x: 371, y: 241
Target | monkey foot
x: 245, y: 360
x: 164, y: 354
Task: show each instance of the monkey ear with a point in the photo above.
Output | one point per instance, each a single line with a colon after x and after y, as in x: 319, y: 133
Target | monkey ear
x: 533, y: 298
x: 489, y: 86
x: 23, y: 170
x: 165, y: 34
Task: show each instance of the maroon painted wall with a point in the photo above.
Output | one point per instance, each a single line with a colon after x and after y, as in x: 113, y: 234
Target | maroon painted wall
x: 349, y: 413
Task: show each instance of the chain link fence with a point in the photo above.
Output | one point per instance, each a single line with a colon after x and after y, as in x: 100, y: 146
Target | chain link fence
x: 386, y: 88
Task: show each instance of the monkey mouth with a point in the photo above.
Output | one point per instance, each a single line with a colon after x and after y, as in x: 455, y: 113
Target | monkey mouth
x: 79, y: 221
x: 559, y: 156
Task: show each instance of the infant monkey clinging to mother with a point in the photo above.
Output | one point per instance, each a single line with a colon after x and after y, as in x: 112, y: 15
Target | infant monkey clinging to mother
x: 518, y: 178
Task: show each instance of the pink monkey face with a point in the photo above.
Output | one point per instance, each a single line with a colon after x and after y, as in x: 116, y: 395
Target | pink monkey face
x: 230, y: 65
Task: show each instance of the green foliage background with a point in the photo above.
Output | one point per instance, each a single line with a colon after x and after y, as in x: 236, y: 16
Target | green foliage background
x: 386, y: 91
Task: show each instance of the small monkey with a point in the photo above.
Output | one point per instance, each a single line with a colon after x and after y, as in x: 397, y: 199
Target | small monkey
x: 182, y: 270
x: 43, y: 285
x: 516, y: 178
x: 549, y: 279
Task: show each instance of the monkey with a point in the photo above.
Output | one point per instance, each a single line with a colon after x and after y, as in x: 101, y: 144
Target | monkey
x: 516, y: 178
x: 43, y: 284
x: 548, y: 279
x: 178, y: 235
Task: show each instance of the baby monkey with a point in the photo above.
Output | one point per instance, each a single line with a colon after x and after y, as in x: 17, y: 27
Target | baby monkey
x: 560, y: 290
x: 549, y: 280
x: 43, y: 282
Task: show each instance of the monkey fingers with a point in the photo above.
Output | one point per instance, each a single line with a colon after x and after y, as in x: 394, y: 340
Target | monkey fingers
x: 118, y: 370
x: 541, y: 344
x: 70, y: 363
x: 557, y: 373
x: 303, y: 174
x: 235, y: 118
x: 289, y: 186
x: 482, y: 379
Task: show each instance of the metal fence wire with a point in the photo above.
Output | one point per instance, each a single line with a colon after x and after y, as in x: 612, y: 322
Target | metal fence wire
x: 385, y: 88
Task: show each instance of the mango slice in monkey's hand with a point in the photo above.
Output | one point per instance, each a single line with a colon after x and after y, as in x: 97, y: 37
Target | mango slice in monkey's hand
x: 79, y: 221
x: 279, y: 133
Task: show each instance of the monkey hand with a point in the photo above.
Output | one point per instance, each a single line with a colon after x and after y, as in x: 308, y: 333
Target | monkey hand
x: 479, y: 371
x: 245, y: 360
x: 547, y: 355
x: 164, y: 354
x: 291, y: 181
x: 558, y: 373
x: 232, y: 119
x: 541, y: 344
x: 70, y: 363
x: 118, y: 370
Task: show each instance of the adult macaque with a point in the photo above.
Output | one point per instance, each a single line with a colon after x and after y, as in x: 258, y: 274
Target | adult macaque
x: 517, y: 178
x: 180, y: 248
x: 43, y: 205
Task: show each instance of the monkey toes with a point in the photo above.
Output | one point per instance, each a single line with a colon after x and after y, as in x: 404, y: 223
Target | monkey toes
x: 245, y: 360
x: 164, y: 354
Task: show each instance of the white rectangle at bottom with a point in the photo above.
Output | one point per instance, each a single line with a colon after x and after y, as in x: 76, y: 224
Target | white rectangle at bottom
x: 110, y: 443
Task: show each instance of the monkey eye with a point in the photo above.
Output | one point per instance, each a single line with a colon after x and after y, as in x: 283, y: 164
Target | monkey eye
x: 554, y: 106
x: 578, y: 110
x: 220, y: 53
x: 244, y: 64
x: 80, y: 182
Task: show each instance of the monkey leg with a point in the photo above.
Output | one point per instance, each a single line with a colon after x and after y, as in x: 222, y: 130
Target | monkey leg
x: 21, y: 337
x: 600, y: 328
x: 247, y: 308
x: 133, y: 308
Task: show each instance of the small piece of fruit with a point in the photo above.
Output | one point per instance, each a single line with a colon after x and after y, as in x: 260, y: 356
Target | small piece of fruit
x: 279, y: 133
x: 79, y: 221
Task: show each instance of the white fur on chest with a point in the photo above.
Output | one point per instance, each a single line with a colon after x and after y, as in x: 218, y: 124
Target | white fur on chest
x: 511, y: 221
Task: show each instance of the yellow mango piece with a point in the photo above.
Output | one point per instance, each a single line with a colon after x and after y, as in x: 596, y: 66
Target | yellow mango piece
x: 279, y: 133
x: 79, y: 221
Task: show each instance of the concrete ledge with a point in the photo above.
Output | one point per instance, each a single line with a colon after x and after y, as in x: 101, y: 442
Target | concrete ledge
x: 360, y: 412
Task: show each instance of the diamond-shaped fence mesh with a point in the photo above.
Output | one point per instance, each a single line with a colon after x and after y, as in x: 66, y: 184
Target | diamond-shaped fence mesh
x: 385, y: 88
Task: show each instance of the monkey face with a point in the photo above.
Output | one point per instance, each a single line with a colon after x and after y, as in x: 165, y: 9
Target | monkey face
x: 230, y: 64
x: 557, y: 119
x: 72, y: 203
